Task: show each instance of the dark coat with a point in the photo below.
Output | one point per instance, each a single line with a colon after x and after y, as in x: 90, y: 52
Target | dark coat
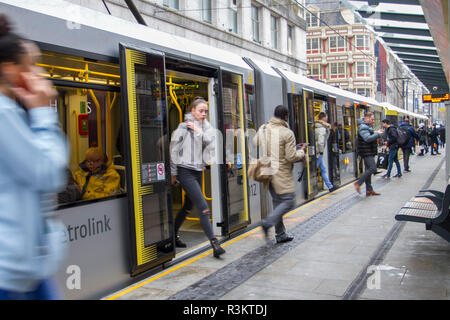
x: 392, y: 135
x: 413, y: 135
x: 423, y: 136
x: 367, y: 140
x: 434, y: 134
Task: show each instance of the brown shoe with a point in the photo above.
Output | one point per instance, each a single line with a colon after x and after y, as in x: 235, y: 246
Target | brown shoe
x: 372, y: 193
x: 357, y: 187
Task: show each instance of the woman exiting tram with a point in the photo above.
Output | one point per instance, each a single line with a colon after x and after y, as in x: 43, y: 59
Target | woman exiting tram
x: 190, y: 145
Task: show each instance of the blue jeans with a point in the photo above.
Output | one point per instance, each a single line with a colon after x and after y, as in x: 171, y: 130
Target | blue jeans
x: 323, y: 171
x: 46, y: 290
x: 393, y: 157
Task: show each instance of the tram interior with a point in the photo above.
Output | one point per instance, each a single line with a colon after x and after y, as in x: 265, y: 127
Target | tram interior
x: 181, y: 90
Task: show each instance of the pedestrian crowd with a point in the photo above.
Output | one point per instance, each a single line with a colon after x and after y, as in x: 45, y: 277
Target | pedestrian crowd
x: 393, y: 138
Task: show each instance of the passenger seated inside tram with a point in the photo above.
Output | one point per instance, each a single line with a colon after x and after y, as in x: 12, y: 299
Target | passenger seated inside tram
x: 72, y: 192
x: 96, y: 177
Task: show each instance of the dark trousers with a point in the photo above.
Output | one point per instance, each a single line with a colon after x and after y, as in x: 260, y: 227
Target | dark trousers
x: 433, y: 148
x: 371, y: 168
x: 282, y: 203
x: 406, y: 154
x: 393, y: 157
x: 191, y: 182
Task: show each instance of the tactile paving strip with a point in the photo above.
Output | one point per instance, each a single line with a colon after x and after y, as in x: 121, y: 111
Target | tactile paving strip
x: 222, y: 281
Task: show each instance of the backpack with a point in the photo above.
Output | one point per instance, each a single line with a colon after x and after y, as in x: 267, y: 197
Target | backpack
x: 259, y: 169
x: 403, y: 136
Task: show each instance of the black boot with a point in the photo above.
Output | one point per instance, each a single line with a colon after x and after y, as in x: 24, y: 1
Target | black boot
x: 218, y: 250
x: 179, y: 243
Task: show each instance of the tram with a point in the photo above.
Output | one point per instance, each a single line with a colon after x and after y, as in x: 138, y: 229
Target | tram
x: 124, y: 88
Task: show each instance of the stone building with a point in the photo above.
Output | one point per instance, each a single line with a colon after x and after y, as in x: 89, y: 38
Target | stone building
x: 273, y: 31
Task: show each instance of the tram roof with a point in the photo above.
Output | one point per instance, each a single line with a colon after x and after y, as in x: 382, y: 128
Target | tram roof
x: 391, y: 107
x: 321, y: 87
x: 83, y: 19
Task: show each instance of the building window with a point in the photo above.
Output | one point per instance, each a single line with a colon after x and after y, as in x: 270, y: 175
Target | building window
x: 255, y: 23
x: 175, y: 4
x: 363, y: 69
x: 233, y: 16
x: 274, y: 31
x: 337, y: 44
x: 290, y: 37
x: 362, y: 42
x: 312, y: 19
x: 337, y: 70
x: 314, y: 71
x: 312, y: 45
x: 205, y: 5
x: 363, y: 91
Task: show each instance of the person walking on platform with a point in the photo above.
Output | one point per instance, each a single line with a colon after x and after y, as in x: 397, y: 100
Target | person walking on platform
x: 406, y: 148
x: 442, y: 135
x: 280, y: 141
x: 423, y: 139
x: 367, y: 150
x: 434, y: 140
x: 191, y: 142
x: 392, y: 144
x: 33, y: 165
x: 322, y: 132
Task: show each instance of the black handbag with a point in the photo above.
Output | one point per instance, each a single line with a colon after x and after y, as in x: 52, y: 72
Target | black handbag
x: 383, y: 160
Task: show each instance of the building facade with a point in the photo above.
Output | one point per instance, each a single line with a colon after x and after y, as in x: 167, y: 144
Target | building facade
x: 340, y: 51
x: 343, y: 51
x: 266, y: 30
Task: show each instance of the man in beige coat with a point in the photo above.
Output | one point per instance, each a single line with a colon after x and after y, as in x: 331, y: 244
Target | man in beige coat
x: 283, y: 153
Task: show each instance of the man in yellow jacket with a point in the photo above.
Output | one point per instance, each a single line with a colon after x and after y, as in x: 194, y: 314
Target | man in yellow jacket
x: 283, y: 153
x: 95, y: 177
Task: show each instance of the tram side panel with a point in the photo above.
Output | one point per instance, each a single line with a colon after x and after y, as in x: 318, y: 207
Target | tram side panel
x: 267, y: 95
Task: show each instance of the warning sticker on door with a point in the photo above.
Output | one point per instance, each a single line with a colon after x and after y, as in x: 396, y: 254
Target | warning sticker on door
x: 160, y: 172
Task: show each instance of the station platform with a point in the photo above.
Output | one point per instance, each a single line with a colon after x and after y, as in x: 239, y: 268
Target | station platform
x: 347, y: 247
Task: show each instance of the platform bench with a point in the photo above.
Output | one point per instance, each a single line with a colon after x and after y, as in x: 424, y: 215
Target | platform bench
x: 432, y: 210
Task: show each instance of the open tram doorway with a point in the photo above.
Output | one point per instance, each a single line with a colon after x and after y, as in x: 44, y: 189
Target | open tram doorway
x: 182, y: 88
x: 320, y: 104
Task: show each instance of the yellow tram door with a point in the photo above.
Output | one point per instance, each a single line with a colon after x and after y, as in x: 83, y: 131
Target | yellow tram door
x: 145, y: 128
x: 359, y: 113
x: 308, y: 127
x: 333, y: 143
x: 234, y: 170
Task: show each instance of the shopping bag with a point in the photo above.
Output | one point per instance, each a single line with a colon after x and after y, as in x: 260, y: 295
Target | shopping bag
x: 382, y: 161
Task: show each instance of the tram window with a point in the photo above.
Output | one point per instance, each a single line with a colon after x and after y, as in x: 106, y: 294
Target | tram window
x: 347, y: 126
x: 250, y: 117
x: 338, y: 126
x: 91, y: 120
x: 235, y: 150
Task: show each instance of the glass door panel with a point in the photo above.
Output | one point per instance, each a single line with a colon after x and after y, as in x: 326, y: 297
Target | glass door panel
x: 148, y: 177
x: 234, y: 122
x: 308, y: 110
x: 333, y: 143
